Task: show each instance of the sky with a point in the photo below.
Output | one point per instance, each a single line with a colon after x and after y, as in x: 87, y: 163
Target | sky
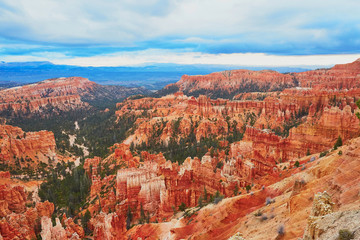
x: 141, y: 32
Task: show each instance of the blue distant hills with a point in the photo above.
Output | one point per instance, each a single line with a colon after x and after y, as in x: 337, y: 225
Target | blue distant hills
x: 152, y: 77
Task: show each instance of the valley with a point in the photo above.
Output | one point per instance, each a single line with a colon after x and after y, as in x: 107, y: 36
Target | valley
x: 238, y: 154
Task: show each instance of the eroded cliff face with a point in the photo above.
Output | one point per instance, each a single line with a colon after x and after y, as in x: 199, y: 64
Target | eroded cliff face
x: 24, y: 217
x: 156, y: 186
x: 58, y: 95
x: 232, y: 82
x: 178, y: 116
x: 291, y: 202
x: 312, y: 126
x: 26, y: 149
x: 240, y: 83
x: 62, y: 94
x: 279, y: 129
x: 341, y: 76
x: 19, y: 221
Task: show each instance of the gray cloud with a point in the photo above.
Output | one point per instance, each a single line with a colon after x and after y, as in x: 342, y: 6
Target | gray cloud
x: 277, y: 26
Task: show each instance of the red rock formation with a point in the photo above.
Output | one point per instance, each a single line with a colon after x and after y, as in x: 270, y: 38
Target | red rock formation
x: 54, y: 96
x: 62, y: 93
x: 335, y: 174
x: 18, y: 221
x: 260, y: 150
x: 26, y: 149
x: 48, y: 232
x: 229, y: 82
x: 14, y: 197
x: 203, y: 116
x: 341, y: 76
x: 108, y: 226
x: 72, y: 228
x: 322, y: 134
x: 4, y: 174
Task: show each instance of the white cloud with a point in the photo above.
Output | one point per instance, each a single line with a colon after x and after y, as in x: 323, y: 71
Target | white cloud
x: 239, y: 59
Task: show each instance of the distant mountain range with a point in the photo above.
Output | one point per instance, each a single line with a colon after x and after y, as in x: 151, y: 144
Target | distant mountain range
x: 152, y: 77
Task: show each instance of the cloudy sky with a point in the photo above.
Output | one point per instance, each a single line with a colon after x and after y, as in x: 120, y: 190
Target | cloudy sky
x: 135, y: 32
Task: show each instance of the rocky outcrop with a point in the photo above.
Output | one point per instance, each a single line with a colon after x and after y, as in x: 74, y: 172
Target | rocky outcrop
x: 48, y: 232
x: 14, y: 198
x: 229, y: 83
x: 321, y: 134
x: 264, y: 149
x: 108, y: 226
x: 237, y: 236
x: 4, y: 174
x: 63, y: 94
x: 322, y: 206
x: 73, y: 230
x: 329, y: 227
x: 26, y: 149
x: 341, y: 76
x: 54, y: 96
x: 291, y: 201
x: 178, y: 116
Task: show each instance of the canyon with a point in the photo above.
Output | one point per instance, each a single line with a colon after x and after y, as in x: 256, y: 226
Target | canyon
x: 275, y: 158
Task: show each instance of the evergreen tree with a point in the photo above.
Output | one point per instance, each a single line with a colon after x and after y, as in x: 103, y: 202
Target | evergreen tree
x: 182, y: 206
x: 297, y: 164
x: 84, y: 222
x: 142, y: 214
x: 200, y: 201
x: 338, y: 143
x: 236, y: 190
x: 248, y: 188
x: 129, y: 218
x: 205, y: 195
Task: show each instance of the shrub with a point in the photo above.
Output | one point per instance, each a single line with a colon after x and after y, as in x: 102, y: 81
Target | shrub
x: 174, y: 209
x: 200, y: 202
x: 218, y: 197
x: 248, y: 188
x: 323, y: 154
x: 281, y: 229
x: 297, y: 164
x: 258, y: 213
x: 236, y: 190
x: 345, y: 234
x: 338, y: 143
x: 268, y: 201
x: 182, y: 207
x: 340, y: 152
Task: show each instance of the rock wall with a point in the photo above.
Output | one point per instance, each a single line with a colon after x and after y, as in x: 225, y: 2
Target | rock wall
x: 26, y: 149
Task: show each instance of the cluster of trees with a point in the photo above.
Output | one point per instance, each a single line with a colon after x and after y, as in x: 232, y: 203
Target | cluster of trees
x: 101, y: 130
x: 67, y: 187
x: 180, y: 147
x: 294, y: 121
